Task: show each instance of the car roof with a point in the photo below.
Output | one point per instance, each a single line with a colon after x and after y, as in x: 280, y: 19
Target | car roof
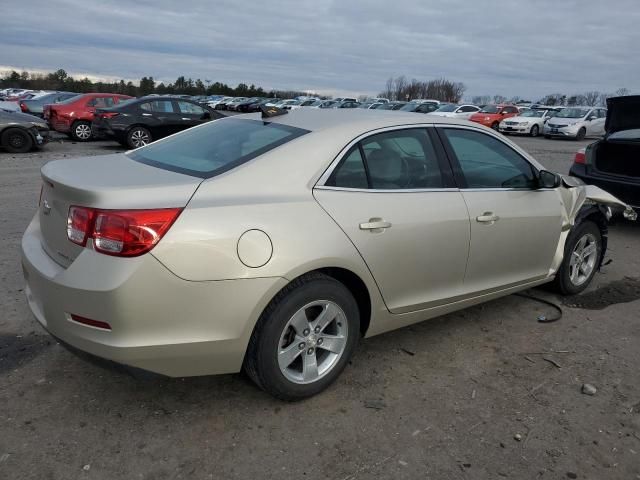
x: 357, y: 120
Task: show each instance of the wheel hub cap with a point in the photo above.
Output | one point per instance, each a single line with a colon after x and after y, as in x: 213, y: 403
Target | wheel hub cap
x: 583, y: 259
x: 312, y: 342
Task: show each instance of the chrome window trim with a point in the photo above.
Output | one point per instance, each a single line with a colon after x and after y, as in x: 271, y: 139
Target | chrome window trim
x: 394, y: 190
x: 336, y: 161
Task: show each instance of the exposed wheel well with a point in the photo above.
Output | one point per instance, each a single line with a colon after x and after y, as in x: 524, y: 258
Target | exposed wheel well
x: 595, y: 214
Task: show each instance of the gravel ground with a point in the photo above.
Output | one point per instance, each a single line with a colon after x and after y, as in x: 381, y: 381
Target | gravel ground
x: 484, y: 393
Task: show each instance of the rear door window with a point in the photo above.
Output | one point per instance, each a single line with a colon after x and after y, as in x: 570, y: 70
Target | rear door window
x: 190, y: 108
x: 161, y: 106
x: 486, y: 162
x: 216, y: 147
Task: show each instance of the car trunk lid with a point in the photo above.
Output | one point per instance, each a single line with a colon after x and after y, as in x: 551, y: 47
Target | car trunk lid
x: 622, y: 114
x: 104, y: 182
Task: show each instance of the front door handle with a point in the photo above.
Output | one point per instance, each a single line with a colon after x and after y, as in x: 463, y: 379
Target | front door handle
x: 487, y: 217
x: 375, y: 225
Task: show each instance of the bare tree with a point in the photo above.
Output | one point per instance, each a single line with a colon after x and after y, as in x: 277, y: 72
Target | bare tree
x: 622, y: 92
x: 481, y: 99
x: 591, y: 98
x: 499, y: 99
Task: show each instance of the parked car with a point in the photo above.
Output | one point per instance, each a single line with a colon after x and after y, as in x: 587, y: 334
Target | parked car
x: 244, y: 106
x: 344, y: 99
x: 395, y: 105
x: 491, y: 115
x: 35, y: 106
x: 233, y: 104
x: 370, y: 106
x: 420, y: 107
x: 289, y: 104
x: 613, y: 163
x: 346, y: 104
x: 74, y: 115
x: 576, y: 123
x: 222, y: 104
x: 323, y: 104
x: 137, y: 122
x: 529, y: 122
x: 9, y: 106
x: 20, y: 133
x: 246, y: 243
x: 456, y: 111
x: 255, y: 107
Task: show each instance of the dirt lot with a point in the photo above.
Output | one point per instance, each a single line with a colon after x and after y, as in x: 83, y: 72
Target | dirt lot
x: 444, y: 399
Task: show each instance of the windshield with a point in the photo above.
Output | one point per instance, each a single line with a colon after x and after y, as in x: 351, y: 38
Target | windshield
x: 448, y: 108
x: 533, y: 113
x: 216, y: 146
x: 491, y: 109
x: 572, y: 113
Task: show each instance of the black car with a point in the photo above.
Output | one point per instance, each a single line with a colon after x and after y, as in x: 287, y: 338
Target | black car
x: 422, y: 107
x: 245, y: 106
x: 613, y: 163
x: 255, y: 107
x: 36, y: 105
x: 20, y: 133
x: 139, y: 121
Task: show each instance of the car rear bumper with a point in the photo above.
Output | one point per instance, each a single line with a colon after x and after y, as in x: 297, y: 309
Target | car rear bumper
x: 627, y: 191
x: 158, y: 321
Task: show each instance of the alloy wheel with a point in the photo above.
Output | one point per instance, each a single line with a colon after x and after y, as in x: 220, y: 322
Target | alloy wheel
x: 17, y: 140
x: 140, y: 138
x: 312, y: 342
x: 83, y: 131
x: 583, y: 259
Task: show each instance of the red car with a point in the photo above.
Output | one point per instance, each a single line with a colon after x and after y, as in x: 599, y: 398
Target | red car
x: 492, y: 115
x: 74, y: 116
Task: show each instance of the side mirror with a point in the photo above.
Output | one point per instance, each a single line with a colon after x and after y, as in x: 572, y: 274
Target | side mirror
x: 547, y: 179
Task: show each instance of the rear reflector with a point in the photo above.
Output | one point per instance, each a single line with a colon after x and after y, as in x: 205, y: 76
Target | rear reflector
x: 23, y: 107
x: 581, y: 157
x: 91, y: 323
x: 123, y: 233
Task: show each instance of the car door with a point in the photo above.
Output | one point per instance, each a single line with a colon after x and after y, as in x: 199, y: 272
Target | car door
x: 394, y: 197
x: 159, y: 117
x: 515, y: 226
x: 191, y: 114
x: 465, y: 111
x: 600, y: 121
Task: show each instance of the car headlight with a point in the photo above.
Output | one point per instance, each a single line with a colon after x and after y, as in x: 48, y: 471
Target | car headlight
x: 523, y: 124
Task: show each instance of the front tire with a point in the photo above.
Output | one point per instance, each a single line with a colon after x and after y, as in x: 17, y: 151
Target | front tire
x: 581, y: 134
x: 304, y: 338
x: 138, y: 137
x: 535, y: 131
x: 581, y: 260
x: 495, y: 126
x: 16, y: 140
x: 81, y: 131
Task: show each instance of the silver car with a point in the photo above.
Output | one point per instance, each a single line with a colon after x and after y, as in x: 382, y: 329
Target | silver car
x: 274, y: 242
x: 576, y: 123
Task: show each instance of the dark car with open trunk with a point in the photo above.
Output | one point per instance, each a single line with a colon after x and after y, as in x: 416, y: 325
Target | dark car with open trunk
x: 613, y: 163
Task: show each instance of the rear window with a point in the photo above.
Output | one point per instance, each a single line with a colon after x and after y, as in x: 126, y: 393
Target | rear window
x: 216, y: 147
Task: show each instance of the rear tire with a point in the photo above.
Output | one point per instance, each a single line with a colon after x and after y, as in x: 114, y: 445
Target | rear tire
x: 304, y: 338
x: 138, y: 137
x: 582, y: 252
x: 16, y: 140
x: 81, y: 131
x: 535, y: 131
x: 581, y: 134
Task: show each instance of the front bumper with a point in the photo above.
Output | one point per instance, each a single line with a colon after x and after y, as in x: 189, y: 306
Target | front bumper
x: 158, y: 321
x: 515, y: 129
x: 564, y: 132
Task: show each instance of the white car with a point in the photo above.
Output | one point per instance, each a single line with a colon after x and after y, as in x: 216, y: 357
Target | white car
x: 456, y: 111
x: 289, y: 104
x: 576, y: 123
x: 529, y: 122
x: 215, y: 102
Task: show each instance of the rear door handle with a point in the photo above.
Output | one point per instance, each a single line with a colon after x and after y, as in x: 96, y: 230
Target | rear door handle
x: 487, y: 217
x: 147, y: 114
x: 375, y: 224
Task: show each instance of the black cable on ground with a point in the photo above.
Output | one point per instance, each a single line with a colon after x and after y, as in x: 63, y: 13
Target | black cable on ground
x: 543, y: 318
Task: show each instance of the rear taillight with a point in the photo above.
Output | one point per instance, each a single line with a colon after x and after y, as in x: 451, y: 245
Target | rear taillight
x: 581, y: 157
x: 23, y: 107
x: 107, y: 115
x: 123, y: 233
x: 79, y: 223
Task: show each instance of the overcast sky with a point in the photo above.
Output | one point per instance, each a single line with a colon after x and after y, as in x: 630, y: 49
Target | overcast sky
x: 526, y: 48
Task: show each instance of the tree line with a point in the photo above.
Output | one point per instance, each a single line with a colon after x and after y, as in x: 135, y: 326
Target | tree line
x: 400, y: 88
x: 60, y: 80
x: 591, y: 98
